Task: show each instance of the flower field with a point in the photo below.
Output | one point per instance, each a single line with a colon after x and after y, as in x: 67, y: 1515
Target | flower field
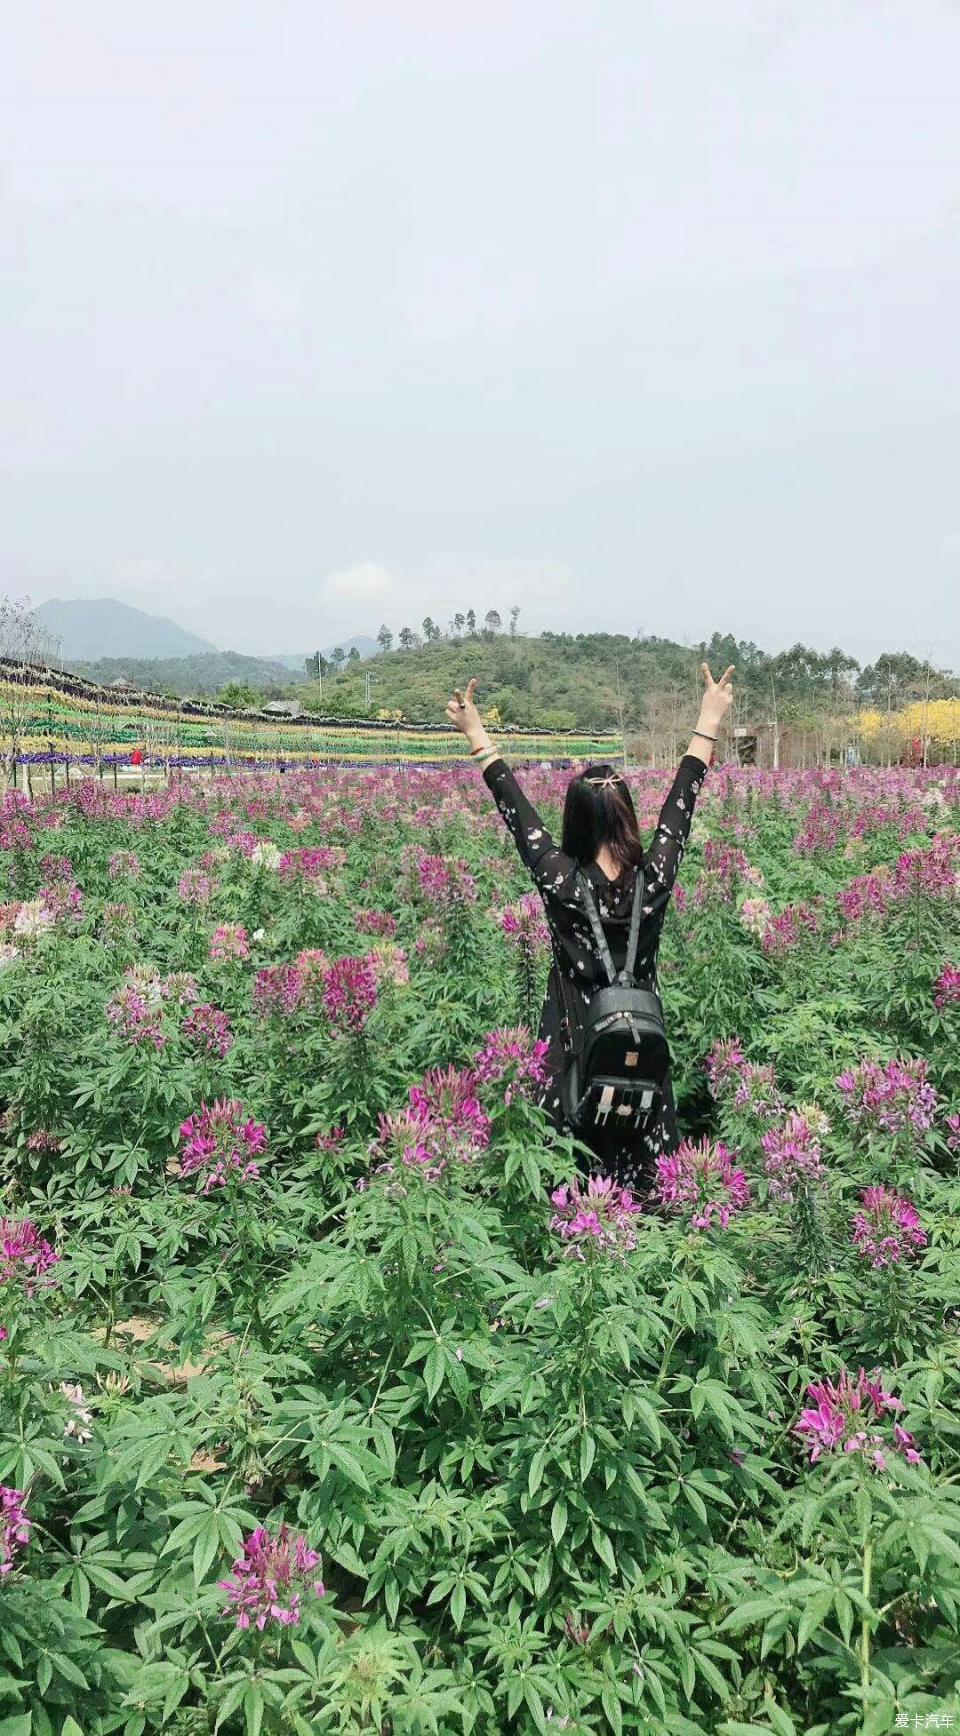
x: 333, y: 1397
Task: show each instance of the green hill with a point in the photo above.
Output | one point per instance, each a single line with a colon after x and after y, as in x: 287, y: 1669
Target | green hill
x: 191, y: 677
x: 595, y: 680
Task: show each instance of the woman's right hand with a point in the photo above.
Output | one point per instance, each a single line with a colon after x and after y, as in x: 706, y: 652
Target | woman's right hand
x: 717, y: 697
x: 464, y: 715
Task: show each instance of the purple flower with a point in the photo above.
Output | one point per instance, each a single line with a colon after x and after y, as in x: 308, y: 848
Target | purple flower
x: 700, y: 1178
x: 375, y: 922
x: 896, y: 1098
x: 840, y: 1410
x: 25, y: 1258
x: 525, y: 923
x: 136, y: 1019
x: 602, y: 1218
x: 207, y: 1029
x: 724, y: 1065
x: 445, y: 880
x: 887, y: 1228
x: 220, y: 1143
x: 511, y: 1056
x: 947, y: 987
x: 269, y: 1579
x: 785, y: 932
x: 350, y: 994
x: 277, y: 991
x: 446, y: 1100
x: 953, y: 1132
x: 792, y: 1158
x: 444, y: 1123
x: 124, y: 865
x: 14, y: 1525
x: 195, y: 887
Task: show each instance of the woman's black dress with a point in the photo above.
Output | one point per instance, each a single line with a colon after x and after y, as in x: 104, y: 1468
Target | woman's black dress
x: 628, y: 1157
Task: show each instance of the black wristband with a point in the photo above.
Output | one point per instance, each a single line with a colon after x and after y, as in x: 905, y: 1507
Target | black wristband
x: 703, y: 736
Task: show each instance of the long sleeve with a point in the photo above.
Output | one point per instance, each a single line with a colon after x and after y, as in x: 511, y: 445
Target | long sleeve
x: 538, y: 852
x: 673, y: 827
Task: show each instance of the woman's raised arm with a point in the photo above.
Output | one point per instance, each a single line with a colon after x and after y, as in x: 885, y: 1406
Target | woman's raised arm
x: 673, y: 827
x: 548, y: 865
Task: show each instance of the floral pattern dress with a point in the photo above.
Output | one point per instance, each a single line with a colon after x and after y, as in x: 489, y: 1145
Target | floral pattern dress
x: 628, y: 1157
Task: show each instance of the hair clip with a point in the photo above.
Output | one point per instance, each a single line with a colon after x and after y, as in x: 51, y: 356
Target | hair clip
x: 607, y: 783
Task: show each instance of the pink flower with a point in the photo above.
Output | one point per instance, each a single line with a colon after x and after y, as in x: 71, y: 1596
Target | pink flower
x: 220, y: 1144
x: 195, y: 887
x: 268, y: 1580
x: 839, y: 1413
x: 14, y: 1525
x: 724, y: 1065
x: 445, y: 880
x: 784, y: 932
x: 375, y: 922
x: 947, y: 987
x: 207, y: 1029
x: 25, y: 1258
x: 350, y: 994
x: 124, y: 865
x: 525, y: 923
x: 277, y: 991
x: 887, y: 1228
x: 701, y: 1176
x: 512, y: 1057
x: 136, y: 1019
x: 792, y: 1158
x: 602, y: 1218
x: 229, y: 941
x: 444, y: 1123
x: 896, y: 1098
x: 953, y: 1132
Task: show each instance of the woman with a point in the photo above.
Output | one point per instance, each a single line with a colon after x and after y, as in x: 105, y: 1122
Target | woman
x: 601, y: 840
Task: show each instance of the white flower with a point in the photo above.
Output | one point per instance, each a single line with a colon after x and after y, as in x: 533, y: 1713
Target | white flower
x: 32, y: 918
x: 8, y: 953
x: 755, y: 915
x: 266, y: 855
x: 259, y: 934
x: 79, y: 1424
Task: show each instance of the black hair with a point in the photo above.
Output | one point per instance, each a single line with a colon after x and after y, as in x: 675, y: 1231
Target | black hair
x: 599, y: 810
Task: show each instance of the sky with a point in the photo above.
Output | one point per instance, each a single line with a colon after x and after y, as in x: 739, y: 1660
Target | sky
x: 641, y: 317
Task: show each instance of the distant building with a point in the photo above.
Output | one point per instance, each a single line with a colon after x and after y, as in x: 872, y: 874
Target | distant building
x: 284, y: 708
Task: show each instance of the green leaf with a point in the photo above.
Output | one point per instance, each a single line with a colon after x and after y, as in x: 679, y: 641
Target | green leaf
x: 346, y: 1462
x: 558, y: 1519
x: 812, y: 1615
x: 588, y: 1452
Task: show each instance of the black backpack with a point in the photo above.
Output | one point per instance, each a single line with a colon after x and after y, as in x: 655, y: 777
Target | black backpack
x: 616, y: 1075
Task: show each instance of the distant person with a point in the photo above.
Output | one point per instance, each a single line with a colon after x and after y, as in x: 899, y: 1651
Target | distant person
x: 588, y: 888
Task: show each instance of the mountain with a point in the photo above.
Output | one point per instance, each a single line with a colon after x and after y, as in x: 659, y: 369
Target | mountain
x: 188, y: 676
x: 100, y: 627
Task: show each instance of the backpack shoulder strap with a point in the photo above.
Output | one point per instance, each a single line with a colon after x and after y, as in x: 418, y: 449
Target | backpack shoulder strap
x: 629, y: 963
x: 593, y: 916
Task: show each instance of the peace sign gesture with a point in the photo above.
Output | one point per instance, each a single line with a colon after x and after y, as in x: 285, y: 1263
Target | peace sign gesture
x: 717, y: 696
x: 462, y: 712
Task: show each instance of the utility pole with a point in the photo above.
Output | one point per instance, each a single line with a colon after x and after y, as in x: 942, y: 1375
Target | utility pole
x: 366, y: 689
